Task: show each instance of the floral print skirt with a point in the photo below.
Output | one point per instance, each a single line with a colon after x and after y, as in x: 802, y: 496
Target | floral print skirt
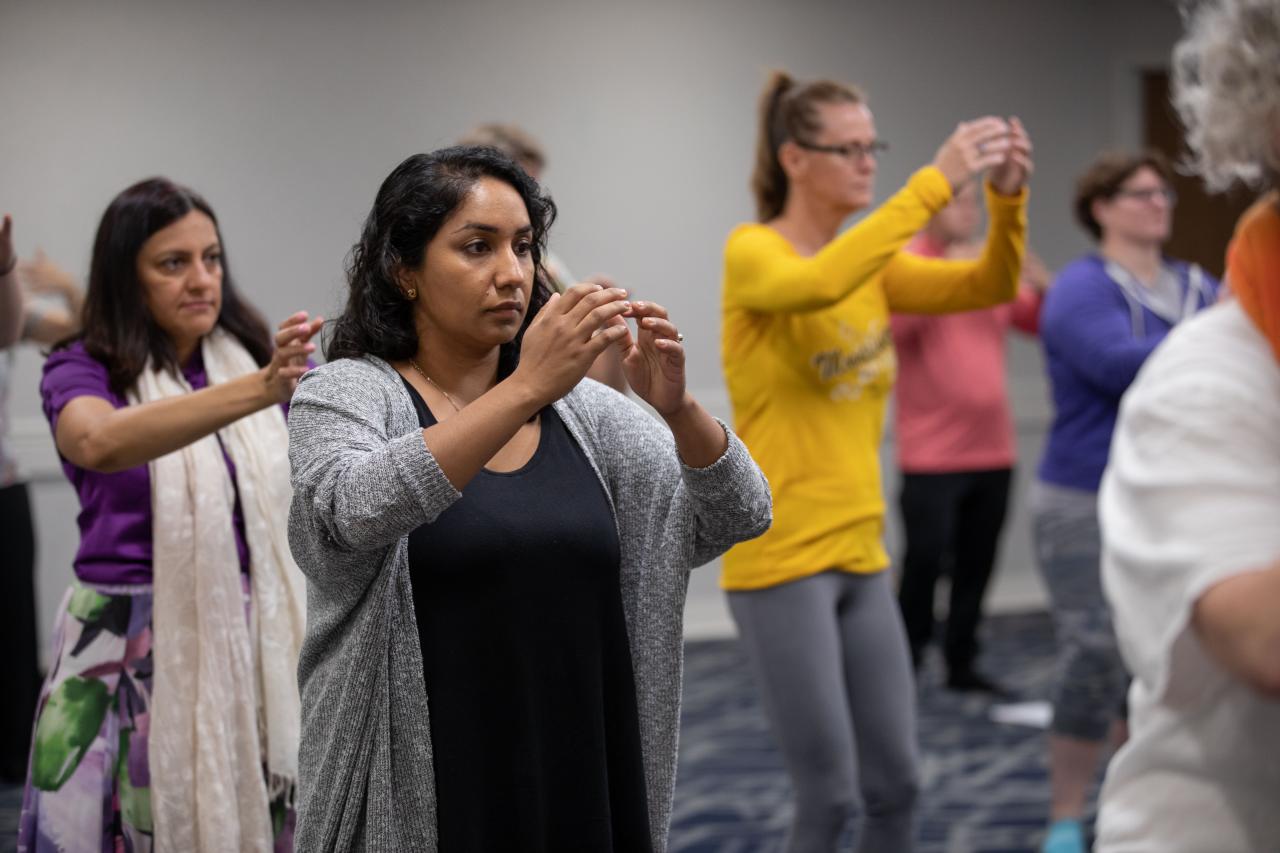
x: 88, y: 786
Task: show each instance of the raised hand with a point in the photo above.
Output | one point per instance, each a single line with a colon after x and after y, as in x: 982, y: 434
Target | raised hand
x: 43, y: 276
x: 564, y: 339
x: 1013, y: 172
x: 654, y: 360
x: 973, y: 147
x: 289, y: 361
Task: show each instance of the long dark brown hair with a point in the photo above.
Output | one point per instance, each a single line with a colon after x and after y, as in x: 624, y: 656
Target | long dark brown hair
x: 118, y: 330
x: 788, y: 111
x: 413, y: 202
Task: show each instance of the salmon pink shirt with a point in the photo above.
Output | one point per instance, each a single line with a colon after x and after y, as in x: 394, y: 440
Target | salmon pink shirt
x: 952, y: 408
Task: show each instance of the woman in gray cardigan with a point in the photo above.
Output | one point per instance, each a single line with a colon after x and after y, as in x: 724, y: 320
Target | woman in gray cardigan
x: 497, y: 551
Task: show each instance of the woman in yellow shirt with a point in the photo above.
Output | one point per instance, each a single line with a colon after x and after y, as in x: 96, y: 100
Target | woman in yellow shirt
x: 809, y: 362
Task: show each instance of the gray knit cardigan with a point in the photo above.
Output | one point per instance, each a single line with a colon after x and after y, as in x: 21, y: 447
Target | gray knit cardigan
x: 363, y: 479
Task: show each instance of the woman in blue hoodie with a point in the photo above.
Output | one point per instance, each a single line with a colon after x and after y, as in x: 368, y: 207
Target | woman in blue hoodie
x: 1104, y: 315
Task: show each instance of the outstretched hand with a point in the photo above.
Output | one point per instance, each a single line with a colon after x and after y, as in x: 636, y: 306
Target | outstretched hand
x: 41, y: 275
x: 289, y: 361
x: 653, y: 361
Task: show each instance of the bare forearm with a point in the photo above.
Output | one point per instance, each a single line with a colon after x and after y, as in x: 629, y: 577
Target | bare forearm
x: 134, y: 435
x: 49, y: 327
x: 1238, y: 621
x: 463, y: 444
x: 700, y: 439
x: 73, y: 296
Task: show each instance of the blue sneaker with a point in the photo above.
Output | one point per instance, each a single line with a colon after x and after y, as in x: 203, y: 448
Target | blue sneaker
x: 1065, y: 836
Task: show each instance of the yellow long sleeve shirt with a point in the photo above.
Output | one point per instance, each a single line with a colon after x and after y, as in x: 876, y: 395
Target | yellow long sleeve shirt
x: 809, y: 362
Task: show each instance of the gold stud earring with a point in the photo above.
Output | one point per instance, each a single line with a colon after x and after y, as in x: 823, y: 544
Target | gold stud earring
x: 412, y: 293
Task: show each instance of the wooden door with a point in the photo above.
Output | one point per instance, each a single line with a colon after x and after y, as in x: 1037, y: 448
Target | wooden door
x: 1202, y: 223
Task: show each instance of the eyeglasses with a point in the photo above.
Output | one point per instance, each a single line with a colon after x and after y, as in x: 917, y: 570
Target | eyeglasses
x: 1150, y: 195
x: 849, y: 150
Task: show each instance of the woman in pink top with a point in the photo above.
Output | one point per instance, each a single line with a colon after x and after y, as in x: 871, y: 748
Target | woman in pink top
x: 954, y: 433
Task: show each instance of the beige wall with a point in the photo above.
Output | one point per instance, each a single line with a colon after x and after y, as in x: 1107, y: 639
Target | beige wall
x: 287, y: 116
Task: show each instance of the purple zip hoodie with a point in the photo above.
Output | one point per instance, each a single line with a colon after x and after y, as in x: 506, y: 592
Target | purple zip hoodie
x: 1096, y: 331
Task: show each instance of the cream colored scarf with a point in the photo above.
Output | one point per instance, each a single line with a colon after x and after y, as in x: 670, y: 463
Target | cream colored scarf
x: 225, y: 691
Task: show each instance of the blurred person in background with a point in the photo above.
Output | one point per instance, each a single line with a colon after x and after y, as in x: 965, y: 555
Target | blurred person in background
x: 809, y: 360
x: 169, y: 717
x: 1191, y: 497
x: 1103, y: 317
x: 25, y: 315
x: 520, y: 146
x: 953, y: 428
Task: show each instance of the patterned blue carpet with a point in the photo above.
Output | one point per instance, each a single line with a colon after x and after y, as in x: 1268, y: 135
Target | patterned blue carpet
x: 985, y: 784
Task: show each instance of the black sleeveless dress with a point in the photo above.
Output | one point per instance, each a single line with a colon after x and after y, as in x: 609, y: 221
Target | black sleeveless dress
x: 528, y: 672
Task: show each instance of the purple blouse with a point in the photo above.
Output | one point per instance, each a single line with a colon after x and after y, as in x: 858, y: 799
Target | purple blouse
x: 115, y: 509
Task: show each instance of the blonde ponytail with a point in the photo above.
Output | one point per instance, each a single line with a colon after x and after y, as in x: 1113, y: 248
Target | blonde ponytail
x: 788, y: 111
x: 768, y: 181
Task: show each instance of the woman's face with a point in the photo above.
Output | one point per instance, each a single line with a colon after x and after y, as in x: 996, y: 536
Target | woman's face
x: 180, y: 270
x: 843, y: 180
x: 1141, y: 211
x: 477, y: 272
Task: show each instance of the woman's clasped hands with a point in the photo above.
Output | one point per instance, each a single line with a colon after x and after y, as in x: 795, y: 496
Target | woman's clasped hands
x: 988, y: 143
x: 574, y: 327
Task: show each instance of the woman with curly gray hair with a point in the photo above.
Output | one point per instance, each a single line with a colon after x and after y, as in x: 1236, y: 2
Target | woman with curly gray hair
x: 1191, y: 564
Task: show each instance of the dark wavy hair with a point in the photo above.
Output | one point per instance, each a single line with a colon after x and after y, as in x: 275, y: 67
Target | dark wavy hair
x: 118, y: 329
x: 413, y: 202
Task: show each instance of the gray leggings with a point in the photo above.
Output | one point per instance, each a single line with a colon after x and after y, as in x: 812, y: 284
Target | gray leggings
x: 1089, y: 680
x: 830, y: 655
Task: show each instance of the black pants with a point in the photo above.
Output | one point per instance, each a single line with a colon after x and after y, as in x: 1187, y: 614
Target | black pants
x: 953, y: 524
x: 20, y: 681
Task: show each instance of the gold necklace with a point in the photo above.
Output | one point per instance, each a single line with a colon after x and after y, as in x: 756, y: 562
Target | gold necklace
x: 421, y: 373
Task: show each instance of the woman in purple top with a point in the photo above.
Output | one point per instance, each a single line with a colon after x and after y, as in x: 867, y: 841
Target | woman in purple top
x: 175, y: 649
